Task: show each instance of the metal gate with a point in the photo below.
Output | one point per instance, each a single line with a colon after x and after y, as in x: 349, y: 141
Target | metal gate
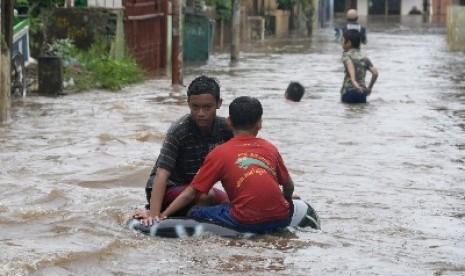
x: 145, y: 32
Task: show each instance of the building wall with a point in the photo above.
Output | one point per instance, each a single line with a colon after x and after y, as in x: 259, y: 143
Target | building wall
x: 439, y: 7
x: 362, y: 7
x: 406, y: 6
x: 456, y: 28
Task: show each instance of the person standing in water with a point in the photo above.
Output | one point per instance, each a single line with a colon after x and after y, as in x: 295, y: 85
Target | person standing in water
x: 356, y: 64
x: 351, y: 24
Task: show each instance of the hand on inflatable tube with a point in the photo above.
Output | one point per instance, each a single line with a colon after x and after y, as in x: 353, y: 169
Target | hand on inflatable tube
x: 145, y: 217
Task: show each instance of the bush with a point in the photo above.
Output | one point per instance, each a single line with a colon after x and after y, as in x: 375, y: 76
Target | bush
x: 95, y: 68
x: 222, y: 7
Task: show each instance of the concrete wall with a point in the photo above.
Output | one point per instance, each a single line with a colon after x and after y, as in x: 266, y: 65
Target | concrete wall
x: 456, y: 28
x: 80, y: 25
x: 362, y: 7
x: 282, y: 22
x: 256, y: 27
x: 439, y: 7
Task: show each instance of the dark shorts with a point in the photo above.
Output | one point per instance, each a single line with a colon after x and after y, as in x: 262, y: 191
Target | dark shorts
x: 221, y: 215
x: 353, y: 96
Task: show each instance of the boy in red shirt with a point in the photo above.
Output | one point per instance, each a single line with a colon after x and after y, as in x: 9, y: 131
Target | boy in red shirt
x: 251, y: 171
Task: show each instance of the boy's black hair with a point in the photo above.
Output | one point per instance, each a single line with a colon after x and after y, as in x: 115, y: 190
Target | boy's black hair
x: 245, y: 112
x: 204, y: 85
x: 353, y: 36
x: 295, y: 91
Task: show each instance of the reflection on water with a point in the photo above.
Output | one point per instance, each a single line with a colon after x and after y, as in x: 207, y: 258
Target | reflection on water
x: 386, y: 177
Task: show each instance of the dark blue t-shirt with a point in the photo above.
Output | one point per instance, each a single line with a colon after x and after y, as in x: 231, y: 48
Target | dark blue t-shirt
x: 185, y: 148
x: 352, y: 26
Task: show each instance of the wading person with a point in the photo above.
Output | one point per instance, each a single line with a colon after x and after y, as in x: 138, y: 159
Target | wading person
x: 186, y: 144
x: 294, y: 92
x: 252, y: 173
x: 351, y: 24
x: 356, y: 64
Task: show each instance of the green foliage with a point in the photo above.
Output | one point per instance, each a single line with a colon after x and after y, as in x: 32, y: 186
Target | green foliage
x: 21, y: 2
x: 63, y: 48
x: 95, y: 68
x: 105, y: 72
x: 112, y: 74
x: 223, y: 8
x: 44, y: 3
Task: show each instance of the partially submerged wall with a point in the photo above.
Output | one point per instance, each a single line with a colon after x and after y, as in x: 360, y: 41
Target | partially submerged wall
x: 456, y: 28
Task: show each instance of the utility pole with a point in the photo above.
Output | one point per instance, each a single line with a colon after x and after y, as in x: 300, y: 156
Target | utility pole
x: 7, y: 25
x: 4, y: 84
x: 176, y: 51
x: 6, y: 42
x: 291, y: 16
x: 322, y: 13
x: 235, y: 30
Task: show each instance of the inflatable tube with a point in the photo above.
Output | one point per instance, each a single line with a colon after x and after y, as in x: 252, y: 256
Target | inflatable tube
x: 304, y: 216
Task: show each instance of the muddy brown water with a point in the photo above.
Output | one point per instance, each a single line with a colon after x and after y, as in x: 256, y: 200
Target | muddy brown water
x: 387, y: 178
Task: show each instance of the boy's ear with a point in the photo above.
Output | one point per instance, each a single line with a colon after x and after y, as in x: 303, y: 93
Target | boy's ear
x: 229, y: 122
x: 259, y: 124
x: 349, y: 43
x: 218, y: 103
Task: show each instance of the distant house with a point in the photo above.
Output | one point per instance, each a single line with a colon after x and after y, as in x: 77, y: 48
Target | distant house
x: 396, y: 7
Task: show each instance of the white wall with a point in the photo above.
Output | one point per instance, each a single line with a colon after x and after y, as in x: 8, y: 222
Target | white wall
x: 362, y: 7
x: 105, y: 3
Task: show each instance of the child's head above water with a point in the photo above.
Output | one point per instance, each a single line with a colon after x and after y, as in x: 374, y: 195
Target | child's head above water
x: 294, y: 92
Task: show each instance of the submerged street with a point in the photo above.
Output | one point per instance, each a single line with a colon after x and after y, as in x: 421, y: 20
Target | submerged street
x: 387, y: 177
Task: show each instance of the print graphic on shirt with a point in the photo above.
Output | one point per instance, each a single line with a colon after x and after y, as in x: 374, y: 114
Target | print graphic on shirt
x: 353, y: 27
x: 249, y: 173
x: 245, y: 163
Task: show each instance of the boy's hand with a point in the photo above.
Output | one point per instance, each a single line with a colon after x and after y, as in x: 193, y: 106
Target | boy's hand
x: 358, y: 86
x: 139, y: 213
x: 145, y: 217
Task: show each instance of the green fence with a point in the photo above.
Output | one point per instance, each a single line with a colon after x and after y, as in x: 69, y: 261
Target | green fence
x: 197, y: 40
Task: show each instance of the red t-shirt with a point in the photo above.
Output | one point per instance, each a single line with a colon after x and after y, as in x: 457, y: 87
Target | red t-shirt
x: 250, y: 170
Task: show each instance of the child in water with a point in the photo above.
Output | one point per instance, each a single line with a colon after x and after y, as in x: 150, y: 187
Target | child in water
x: 294, y: 92
x: 356, y: 64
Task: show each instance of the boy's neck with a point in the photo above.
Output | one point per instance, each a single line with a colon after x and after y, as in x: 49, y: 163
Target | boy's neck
x: 240, y: 133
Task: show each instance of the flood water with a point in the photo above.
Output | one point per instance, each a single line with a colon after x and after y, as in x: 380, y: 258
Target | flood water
x: 387, y: 178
